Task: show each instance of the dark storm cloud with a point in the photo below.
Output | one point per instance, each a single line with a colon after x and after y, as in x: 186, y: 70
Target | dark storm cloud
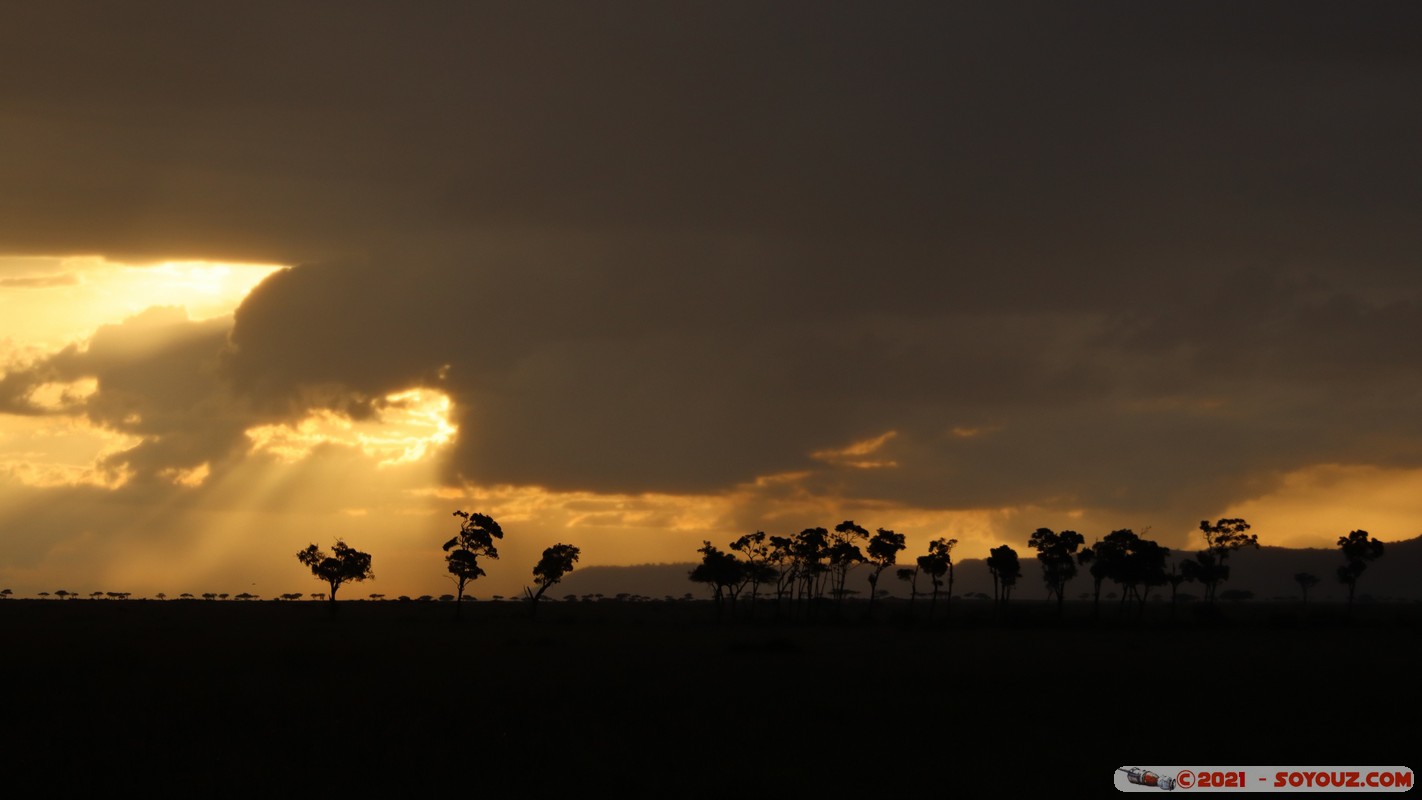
x: 274, y: 129
x: 157, y: 378
x: 1159, y: 250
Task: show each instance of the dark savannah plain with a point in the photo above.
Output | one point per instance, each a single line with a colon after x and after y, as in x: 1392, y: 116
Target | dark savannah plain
x: 656, y: 697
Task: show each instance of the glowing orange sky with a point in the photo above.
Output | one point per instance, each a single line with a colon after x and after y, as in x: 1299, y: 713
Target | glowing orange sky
x: 234, y: 526
x: 634, y: 278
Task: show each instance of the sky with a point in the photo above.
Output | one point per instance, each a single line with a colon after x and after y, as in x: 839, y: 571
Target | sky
x: 632, y: 276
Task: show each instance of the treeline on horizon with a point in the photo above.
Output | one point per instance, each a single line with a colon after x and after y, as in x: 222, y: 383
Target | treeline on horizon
x: 813, y: 566
x: 808, y: 574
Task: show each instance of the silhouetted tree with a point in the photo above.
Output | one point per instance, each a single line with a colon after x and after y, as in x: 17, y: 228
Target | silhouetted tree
x: 5, y: 594
x: 722, y: 571
x: 909, y: 575
x: 1057, y: 552
x: 343, y: 565
x: 1306, y: 581
x: 475, y: 540
x: 938, y: 564
x: 844, y: 554
x: 1006, y: 568
x: 758, y: 552
x: 781, y: 558
x: 1136, y: 563
x: 1357, y: 551
x: 1222, y: 538
x: 556, y: 562
x: 883, y: 551
x: 809, y: 550
x: 1097, y: 560
x: 63, y: 594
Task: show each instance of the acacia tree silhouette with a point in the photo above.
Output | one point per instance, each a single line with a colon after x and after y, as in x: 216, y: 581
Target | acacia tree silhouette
x: 1306, y: 581
x: 909, y: 575
x: 1139, y: 565
x: 722, y: 571
x: 938, y: 562
x: 1057, y: 552
x: 883, y: 549
x: 844, y: 554
x: 1357, y: 550
x: 808, y: 551
x: 343, y: 565
x: 1098, y: 560
x: 556, y: 562
x: 1221, y: 539
x: 475, y: 540
x: 781, y: 559
x: 758, y: 553
x: 1006, y: 568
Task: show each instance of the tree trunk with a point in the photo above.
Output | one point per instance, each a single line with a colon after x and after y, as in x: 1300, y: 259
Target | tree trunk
x: 533, y: 600
x: 948, y: 603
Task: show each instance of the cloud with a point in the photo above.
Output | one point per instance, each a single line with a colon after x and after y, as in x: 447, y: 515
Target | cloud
x: 39, y: 281
x: 596, y: 391
x: 153, y: 377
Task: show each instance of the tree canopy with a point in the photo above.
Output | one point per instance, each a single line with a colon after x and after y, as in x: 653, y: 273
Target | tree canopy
x: 938, y: 563
x: 721, y: 571
x: 1006, y: 568
x: 1358, y: 549
x: 884, y: 549
x: 1057, y: 552
x: 1209, y: 566
x: 556, y: 562
x: 343, y: 565
x: 474, y: 541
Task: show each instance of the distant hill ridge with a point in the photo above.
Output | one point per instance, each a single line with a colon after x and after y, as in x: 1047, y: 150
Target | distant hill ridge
x: 1267, y: 572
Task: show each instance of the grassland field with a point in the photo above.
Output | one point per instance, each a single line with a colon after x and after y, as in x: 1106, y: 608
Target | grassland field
x: 665, y: 699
